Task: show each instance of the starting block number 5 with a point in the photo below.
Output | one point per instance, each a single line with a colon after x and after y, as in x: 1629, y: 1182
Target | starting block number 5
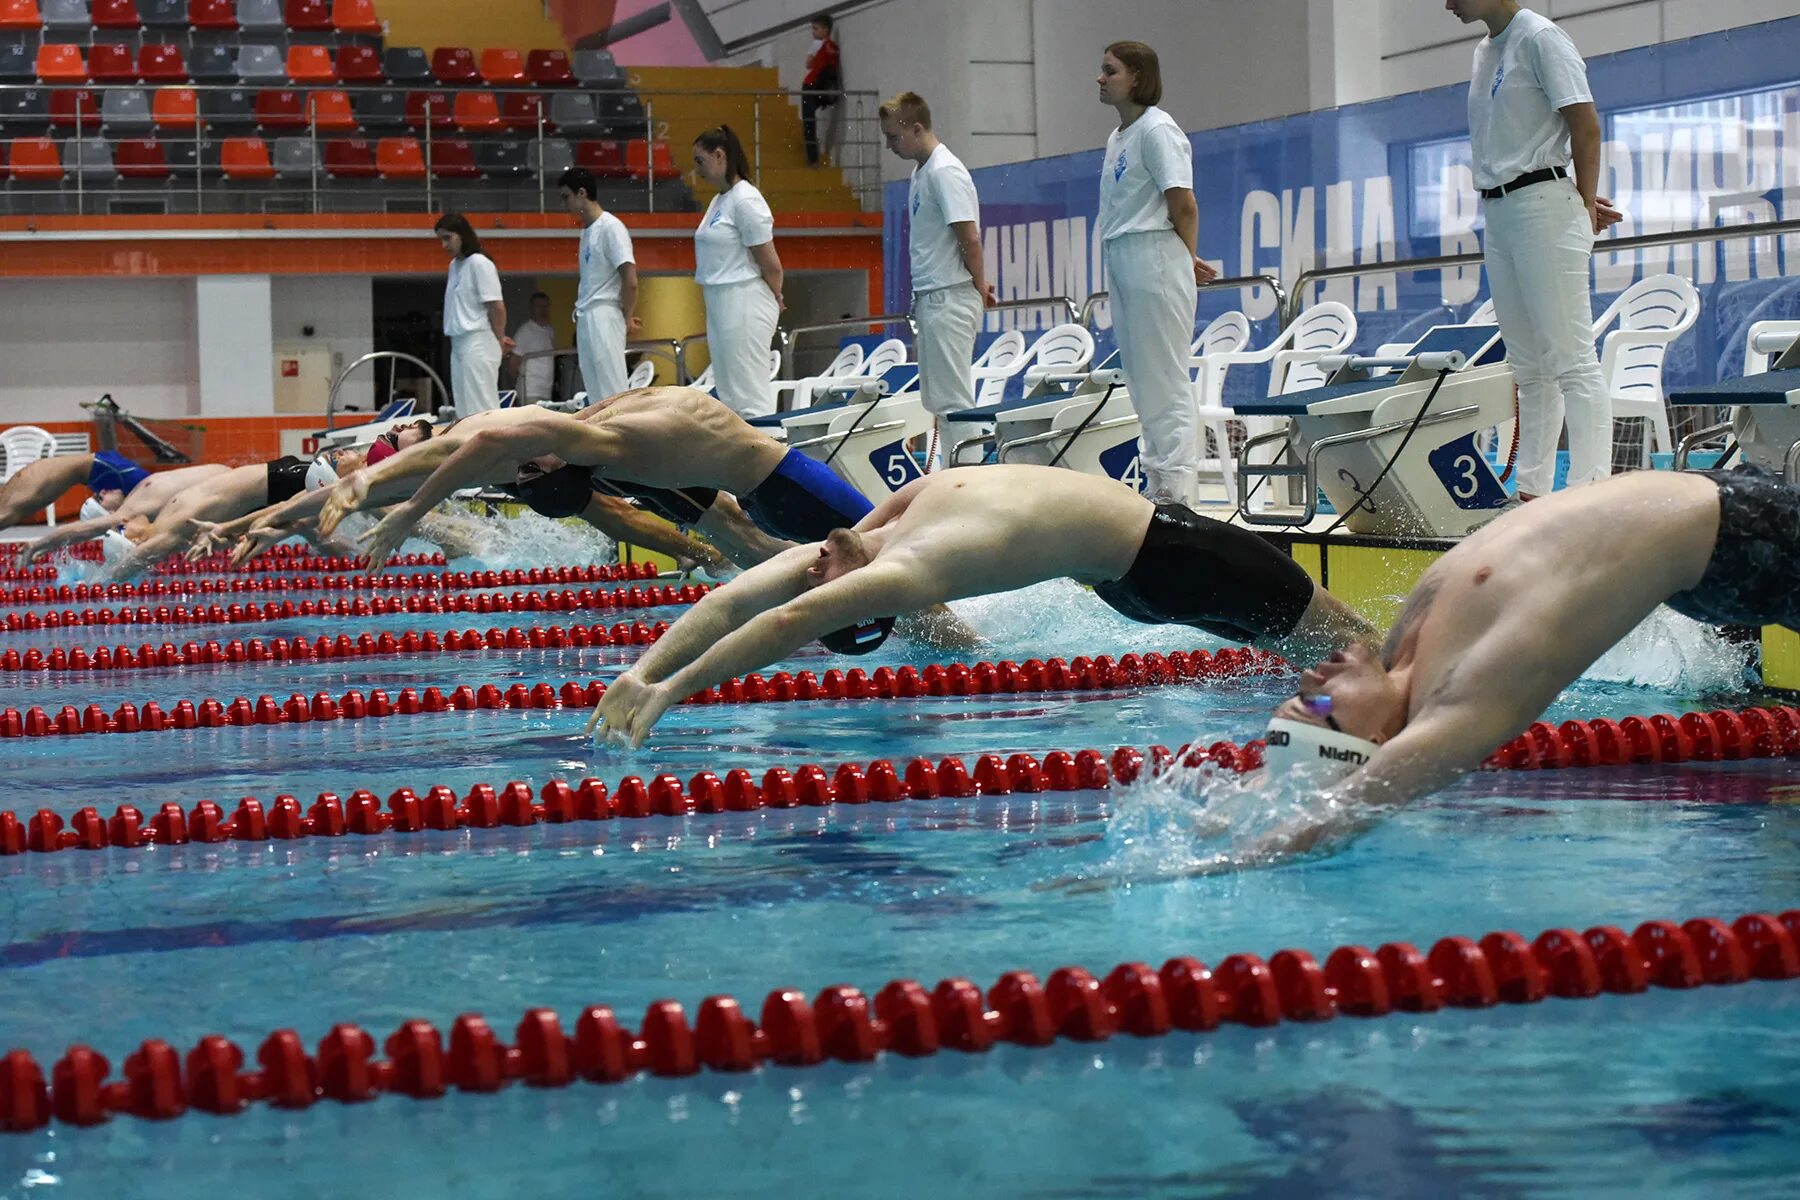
x: 895, y: 466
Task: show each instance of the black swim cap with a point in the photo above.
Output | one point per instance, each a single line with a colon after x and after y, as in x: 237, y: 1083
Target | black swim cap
x: 858, y: 639
x: 564, y: 492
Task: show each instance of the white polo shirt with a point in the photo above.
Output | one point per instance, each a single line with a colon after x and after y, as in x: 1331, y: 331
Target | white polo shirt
x: 736, y: 220
x: 540, y: 373
x: 940, y: 194
x: 605, y: 247
x: 1521, y: 80
x: 474, y: 283
x: 1143, y: 160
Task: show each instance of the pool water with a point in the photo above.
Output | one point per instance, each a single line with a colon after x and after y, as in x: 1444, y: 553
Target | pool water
x: 1668, y: 1093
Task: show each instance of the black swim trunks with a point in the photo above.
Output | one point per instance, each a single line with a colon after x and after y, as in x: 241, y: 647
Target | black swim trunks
x: 1753, y: 576
x: 1192, y: 570
x: 802, y: 500
x: 566, y: 492
x: 287, y: 477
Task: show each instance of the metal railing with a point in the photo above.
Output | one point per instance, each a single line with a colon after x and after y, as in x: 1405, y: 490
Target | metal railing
x: 87, y: 175
x: 443, y: 393
x: 1295, y: 300
x: 668, y: 349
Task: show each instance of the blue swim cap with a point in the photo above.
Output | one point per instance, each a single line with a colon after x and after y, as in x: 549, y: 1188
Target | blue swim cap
x: 113, y: 472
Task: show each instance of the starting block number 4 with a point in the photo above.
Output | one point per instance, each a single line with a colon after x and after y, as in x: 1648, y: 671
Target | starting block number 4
x: 1122, y: 463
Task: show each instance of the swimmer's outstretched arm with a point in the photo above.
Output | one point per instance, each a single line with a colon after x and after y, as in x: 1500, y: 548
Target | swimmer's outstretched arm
x: 494, y: 452
x: 631, y: 707
x: 724, y: 610
x: 394, y: 477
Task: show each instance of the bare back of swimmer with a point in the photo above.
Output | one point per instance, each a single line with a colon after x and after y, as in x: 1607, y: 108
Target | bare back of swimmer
x: 973, y: 532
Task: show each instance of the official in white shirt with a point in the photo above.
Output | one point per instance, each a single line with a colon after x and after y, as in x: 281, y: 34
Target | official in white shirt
x: 1530, y: 115
x: 949, y: 279
x: 739, y: 273
x: 606, y: 300
x: 535, y: 377
x: 1149, y: 223
x: 474, y: 318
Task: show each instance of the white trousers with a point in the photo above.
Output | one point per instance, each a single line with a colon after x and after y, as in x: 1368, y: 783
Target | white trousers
x: 1150, y: 280
x: 475, y: 372
x: 600, y: 343
x: 1539, y: 246
x: 947, y: 320
x: 740, y: 328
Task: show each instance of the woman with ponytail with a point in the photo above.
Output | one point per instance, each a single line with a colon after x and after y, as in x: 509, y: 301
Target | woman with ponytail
x: 739, y: 272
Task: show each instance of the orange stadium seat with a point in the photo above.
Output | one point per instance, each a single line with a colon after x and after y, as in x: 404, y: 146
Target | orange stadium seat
x: 20, y: 15
x: 311, y: 64
x: 400, y: 158
x: 355, y: 16
x: 503, y: 68
x: 246, y: 158
x: 61, y: 64
x: 650, y: 158
x: 476, y: 112
x: 35, y: 159
x: 175, y: 108
x: 331, y: 111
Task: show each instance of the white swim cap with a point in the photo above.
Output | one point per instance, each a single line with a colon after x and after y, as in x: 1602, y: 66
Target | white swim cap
x: 115, y: 545
x: 1324, y: 753
x: 93, y: 510
x: 321, y: 474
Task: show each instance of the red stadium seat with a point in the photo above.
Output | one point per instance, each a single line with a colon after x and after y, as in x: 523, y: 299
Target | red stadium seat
x: 503, y: 68
x: 309, y: 16
x: 280, y: 108
x: 360, y: 65
x: 453, y: 158
x: 65, y: 103
x: 455, y: 65
x: 400, y: 158
x: 213, y: 16
x: 520, y: 111
x: 20, y: 16
x: 140, y: 158
x: 350, y: 158
x: 331, y: 111
x: 476, y: 112
x: 549, y: 68
x: 442, y: 110
x: 175, y: 108
x: 35, y: 159
x: 112, y: 63
x: 161, y: 63
x: 115, y: 14
x: 246, y: 158
x: 355, y: 16
x: 605, y: 159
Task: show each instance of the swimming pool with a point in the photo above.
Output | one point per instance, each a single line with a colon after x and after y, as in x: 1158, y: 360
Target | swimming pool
x: 1673, y: 1092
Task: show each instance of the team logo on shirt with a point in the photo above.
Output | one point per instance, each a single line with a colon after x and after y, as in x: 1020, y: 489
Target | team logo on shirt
x: 1119, y: 167
x: 712, y: 218
x: 915, y: 203
x: 1499, y: 78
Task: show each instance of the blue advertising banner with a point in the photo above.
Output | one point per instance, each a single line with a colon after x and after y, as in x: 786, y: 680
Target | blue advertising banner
x: 1699, y: 133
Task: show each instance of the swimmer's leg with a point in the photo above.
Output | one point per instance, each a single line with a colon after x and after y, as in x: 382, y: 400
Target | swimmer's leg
x: 1328, y: 624
x: 726, y: 526
x: 623, y: 522
x: 41, y: 484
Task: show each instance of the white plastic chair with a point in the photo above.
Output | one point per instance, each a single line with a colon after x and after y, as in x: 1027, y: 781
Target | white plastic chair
x: 1651, y: 314
x: 1484, y: 314
x: 995, y: 365
x: 643, y: 375
x: 1227, y: 333
x: 849, y: 361
x: 883, y: 358
x: 23, y: 445
x: 1061, y: 348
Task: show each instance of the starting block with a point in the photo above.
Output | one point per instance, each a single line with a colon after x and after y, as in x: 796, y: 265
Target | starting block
x: 1367, y: 441
x: 861, y: 430
x: 1080, y: 419
x: 1765, y: 402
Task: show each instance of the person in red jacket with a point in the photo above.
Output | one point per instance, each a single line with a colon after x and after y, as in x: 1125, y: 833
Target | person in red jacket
x: 823, y: 84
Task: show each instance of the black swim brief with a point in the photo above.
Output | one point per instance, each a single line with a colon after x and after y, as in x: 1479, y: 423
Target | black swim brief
x: 679, y: 506
x: 1192, y: 570
x: 287, y: 477
x: 1753, y: 576
x: 803, y: 500
x: 566, y: 492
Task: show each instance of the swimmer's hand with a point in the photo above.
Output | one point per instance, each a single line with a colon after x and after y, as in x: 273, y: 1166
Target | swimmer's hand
x: 208, y: 537
x: 33, y: 551
x: 255, y: 542
x: 628, y: 710
x: 379, y: 544
x: 347, y: 496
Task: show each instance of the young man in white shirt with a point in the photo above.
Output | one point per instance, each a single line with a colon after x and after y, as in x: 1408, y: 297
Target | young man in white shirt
x: 606, y: 301
x: 1532, y: 118
x: 949, y: 279
x: 535, y: 377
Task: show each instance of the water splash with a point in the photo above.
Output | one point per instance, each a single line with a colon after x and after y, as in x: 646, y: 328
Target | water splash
x: 1672, y: 653
x: 527, y: 540
x: 1062, y: 613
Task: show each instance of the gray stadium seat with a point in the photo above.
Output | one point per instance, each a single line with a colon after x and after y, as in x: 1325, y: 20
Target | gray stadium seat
x: 125, y: 110
x: 596, y: 68
x: 24, y: 111
x: 163, y: 14
x: 573, y: 112
x: 213, y: 64
x: 379, y: 110
x: 227, y: 110
x: 261, y: 16
x: 556, y: 158
x: 66, y: 16
x: 294, y: 158
x: 262, y: 64
x: 504, y: 160
x: 90, y: 158
x: 407, y: 64
x: 18, y: 63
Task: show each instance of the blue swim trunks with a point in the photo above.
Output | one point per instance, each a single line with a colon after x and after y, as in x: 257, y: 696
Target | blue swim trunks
x: 114, y: 472
x: 803, y: 500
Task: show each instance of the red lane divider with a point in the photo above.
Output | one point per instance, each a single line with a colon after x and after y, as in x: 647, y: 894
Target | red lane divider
x: 844, y: 1024
x: 238, y: 614
x: 442, y: 581
x: 344, y: 645
x: 278, y: 559
x: 958, y: 679
x: 560, y: 803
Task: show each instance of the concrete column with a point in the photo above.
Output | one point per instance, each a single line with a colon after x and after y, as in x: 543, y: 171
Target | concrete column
x: 234, y: 345
x: 1344, y: 45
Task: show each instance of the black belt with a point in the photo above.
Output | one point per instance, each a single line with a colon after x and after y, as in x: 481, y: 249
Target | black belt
x: 1524, y: 181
